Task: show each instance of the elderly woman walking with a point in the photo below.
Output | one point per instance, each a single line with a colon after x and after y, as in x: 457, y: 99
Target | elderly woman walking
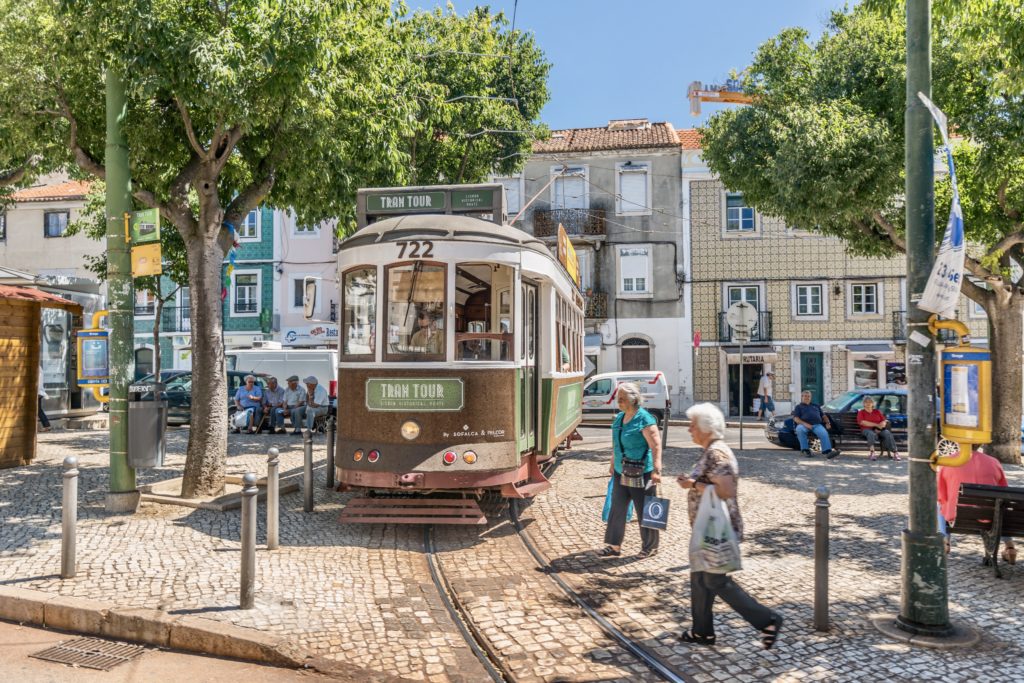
x: 717, y: 467
x: 635, y: 466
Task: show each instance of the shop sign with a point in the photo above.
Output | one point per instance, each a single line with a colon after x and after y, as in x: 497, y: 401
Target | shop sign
x: 406, y: 202
x: 754, y: 357
x: 429, y: 394
x: 310, y: 334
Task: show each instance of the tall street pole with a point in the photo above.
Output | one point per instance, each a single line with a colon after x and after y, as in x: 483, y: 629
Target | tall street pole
x: 923, y: 604
x: 123, y: 496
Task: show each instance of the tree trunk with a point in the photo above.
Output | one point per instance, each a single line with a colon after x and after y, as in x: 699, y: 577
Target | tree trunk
x: 208, y: 436
x: 1006, y: 321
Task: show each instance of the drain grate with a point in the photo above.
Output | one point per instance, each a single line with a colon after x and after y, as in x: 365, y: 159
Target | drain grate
x: 92, y: 653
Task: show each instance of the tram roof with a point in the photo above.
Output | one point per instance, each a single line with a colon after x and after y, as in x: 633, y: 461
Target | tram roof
x: 443, y: 226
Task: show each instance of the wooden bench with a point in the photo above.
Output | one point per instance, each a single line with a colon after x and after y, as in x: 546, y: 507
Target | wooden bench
x: 849, y: 430
x: 992, y: 512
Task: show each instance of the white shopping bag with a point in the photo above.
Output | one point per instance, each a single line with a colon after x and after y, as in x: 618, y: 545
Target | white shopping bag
x: 713, y: 545
x: 241, y: 419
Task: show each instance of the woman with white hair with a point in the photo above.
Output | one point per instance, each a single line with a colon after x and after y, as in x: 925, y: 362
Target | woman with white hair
x: 636, y: 464
x: 717, y: 467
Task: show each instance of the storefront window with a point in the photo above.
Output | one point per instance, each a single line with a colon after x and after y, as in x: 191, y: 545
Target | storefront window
x: 865, y: 374
x: 359, y: 312
x: 416, y: 312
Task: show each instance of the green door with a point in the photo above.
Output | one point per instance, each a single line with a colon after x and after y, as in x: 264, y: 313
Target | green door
x: 812, y: 375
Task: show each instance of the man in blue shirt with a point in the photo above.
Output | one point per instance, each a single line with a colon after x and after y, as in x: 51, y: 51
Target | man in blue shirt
x: 810, y: 418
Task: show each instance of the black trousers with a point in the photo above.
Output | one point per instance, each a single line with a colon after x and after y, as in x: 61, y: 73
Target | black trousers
x: 616, y: 529
x: 42, y: 415
x: 705, y: 587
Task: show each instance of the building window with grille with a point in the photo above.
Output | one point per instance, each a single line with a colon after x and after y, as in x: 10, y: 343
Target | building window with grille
x: 634, y: 265
x: 739, y: 218
x: 633, y: 189
x: 249, y: 229
x: 865, y: 298
x: 570, y: 189
x: 809, y: 301
x: 55, y: 223
x: 145, y: 303
x: 245, y: 294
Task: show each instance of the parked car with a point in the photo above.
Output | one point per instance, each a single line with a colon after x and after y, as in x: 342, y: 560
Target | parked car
x: 599, y: 404
x: 178, y: 393
x: 842, y: 413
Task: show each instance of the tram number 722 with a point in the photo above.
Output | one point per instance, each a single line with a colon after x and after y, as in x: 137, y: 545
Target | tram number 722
x: 417, y: 249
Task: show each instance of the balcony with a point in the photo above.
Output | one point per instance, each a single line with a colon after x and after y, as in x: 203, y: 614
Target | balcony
x: 899, y: 330
x: 246, y: 306
x: 172, y: 318
x: 762, y: 331
x: 595, y: 305
x: 577, y: 222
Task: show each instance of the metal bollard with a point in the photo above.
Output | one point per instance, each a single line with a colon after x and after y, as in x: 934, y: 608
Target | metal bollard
x: 330, y: 452
x: 69, y: 517
x: 273, y: 497
x: 249, y: 492
x: 821, y: 551
x: 307, y: 468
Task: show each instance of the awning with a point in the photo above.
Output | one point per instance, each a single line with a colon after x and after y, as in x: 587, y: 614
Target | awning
x: 591, y: 344
x: 871, y: 351
x: 751, y: 354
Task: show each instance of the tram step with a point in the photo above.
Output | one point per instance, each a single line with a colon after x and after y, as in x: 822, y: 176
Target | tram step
x: 412, y: 511
x: 526, y: 490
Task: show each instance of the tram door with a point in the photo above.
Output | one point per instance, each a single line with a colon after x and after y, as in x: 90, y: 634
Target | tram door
x: 528, y: 388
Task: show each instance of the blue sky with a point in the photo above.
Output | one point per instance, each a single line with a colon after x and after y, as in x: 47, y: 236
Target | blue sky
x: 616, y: 59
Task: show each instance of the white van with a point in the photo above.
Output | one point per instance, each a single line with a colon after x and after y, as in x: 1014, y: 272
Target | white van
x: 282, y: 363
x: 599, y: 395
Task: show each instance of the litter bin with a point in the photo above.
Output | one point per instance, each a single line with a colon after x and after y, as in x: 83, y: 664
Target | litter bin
x: 147, y: 425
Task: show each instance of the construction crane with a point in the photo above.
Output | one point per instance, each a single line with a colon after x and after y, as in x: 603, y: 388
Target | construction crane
x: 731, y: 92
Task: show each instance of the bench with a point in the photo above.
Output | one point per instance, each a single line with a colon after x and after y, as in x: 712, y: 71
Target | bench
x: 992, y: 512
x: 849, y: 430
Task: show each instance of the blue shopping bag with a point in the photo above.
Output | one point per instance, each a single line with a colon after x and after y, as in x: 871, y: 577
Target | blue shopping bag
x: 608, y: 503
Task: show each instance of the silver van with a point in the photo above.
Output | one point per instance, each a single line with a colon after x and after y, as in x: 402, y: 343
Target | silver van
x: 599, y: 404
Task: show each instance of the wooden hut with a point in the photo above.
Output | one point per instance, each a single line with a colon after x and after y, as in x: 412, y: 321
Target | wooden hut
x: 20, y: 321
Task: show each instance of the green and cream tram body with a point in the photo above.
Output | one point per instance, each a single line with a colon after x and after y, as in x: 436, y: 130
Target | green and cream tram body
x: 461, y: 355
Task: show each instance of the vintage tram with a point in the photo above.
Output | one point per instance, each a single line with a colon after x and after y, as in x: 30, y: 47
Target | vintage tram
x: 460, y: 352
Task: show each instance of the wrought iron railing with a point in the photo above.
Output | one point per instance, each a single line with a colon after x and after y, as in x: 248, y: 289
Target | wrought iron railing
x: 762, y: 331
x: 596, y: 305
x: 246, y: 306
x: 575, y: 221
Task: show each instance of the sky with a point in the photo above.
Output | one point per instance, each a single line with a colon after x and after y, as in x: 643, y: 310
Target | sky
x: 619, y: 59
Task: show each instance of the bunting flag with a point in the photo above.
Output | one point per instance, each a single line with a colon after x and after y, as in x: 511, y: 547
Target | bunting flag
x: 232, y: 256
x: 942, y: 293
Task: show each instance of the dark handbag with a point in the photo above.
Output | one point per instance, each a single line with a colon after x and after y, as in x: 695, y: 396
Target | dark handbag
x: 632, y: 470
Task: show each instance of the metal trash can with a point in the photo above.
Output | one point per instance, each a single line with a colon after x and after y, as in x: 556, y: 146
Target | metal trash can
x: 147, y: 425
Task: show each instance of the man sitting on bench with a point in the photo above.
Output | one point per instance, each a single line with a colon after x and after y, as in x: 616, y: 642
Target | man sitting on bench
x: 980, y: 469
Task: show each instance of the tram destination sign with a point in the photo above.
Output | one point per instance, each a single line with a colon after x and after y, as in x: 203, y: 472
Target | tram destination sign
x: 483, y: 200
x: 405, y: 202
x: 426, y: 394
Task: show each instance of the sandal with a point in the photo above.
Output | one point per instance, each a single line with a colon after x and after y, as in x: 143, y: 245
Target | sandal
x: 688, y: 636
x: 608, y: 552
x: 644, y: 554
x: 872, y: 456
x: 770, y: 633
x: 1010, y: 555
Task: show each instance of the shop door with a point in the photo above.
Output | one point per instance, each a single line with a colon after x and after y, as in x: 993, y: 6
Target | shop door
x: 812, y: 375
x: 636, y: 355
x: 751, y: 376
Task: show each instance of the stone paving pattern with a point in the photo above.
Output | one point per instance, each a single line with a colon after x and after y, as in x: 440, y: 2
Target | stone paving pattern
x: 362, y: 594
x: 649, y: 599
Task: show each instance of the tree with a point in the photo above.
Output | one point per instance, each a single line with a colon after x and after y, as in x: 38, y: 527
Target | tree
x: 822, y: 146
x: 233, y: 105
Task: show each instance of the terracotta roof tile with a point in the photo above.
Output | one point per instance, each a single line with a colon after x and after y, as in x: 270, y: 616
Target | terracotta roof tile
x: 645, y: 135
x: 689, y: 138
x: 72, y: 189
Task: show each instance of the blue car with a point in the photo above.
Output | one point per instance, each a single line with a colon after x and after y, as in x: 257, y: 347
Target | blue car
x: 842, y: 413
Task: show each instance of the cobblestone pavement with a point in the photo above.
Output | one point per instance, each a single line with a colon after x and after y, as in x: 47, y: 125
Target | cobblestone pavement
x: 362, y: 594
x: 650, y: 599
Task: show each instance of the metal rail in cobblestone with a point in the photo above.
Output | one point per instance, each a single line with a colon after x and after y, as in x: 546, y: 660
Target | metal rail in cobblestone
x: 650, y: 659
x: 481, y: 648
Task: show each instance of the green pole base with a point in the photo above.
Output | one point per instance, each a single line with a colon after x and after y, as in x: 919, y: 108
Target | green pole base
x: 127, y: 501
x: 924, y: 604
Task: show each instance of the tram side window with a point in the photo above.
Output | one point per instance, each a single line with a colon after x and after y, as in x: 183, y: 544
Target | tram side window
x: 359, y: 313
x: 568, y: 337
x: 483, y: 312
x: 415, y: 307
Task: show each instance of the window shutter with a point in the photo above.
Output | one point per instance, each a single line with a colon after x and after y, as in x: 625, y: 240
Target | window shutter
x: 570, y: 192
x: 512, y: 199
x: 633, y: 191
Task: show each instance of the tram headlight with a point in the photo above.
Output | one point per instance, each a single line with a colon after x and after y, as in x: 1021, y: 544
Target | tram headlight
x: 373, y: 456
x: 358, y: 455
x: 410, y: 429
x: 469, y: 457
x: 449, y: 457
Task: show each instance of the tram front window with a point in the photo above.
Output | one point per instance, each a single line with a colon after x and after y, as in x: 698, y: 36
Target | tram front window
x: 416, y: 305
x: 483, y: 312
x: 359, y: 313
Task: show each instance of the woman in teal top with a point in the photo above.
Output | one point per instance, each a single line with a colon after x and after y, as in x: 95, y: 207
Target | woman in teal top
x: 635, y: 466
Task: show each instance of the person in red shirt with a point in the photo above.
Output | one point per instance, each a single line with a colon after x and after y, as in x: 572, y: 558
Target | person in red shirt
x: 875, y: 428
x: 980, y: 469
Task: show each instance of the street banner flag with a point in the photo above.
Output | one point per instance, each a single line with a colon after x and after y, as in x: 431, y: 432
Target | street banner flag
x: 942, y: 293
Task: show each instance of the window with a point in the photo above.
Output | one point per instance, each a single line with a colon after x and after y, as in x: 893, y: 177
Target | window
x: 416, y: 312
x: 145, y: 303
x: 3, y: 226
x: 246, y: 294
x: 739, y: 218
x: 809, y: 301
x: 976, y: 310
x: 633, y: 191
x: 184, y: 309
x: 55, y: 223
x: 570, y: 190
x: 864, y: 298
x: 601, y: 387
x: 310, y: 230
x: 359, y: 313
x: 513, y: 194
x: 143, y: 362
x: 250, y: 226
x: 568, y: 351
x: 865, y: 374
x: 299, y: 293
x: 483, y: 312
x: 634, y: 270
x: 752, y: 295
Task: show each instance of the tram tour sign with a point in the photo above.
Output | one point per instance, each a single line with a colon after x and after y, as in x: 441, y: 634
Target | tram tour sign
x: 428, y: 394
x: 485, y: 200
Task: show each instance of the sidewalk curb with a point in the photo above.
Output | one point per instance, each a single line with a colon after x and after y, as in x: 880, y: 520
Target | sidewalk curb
x: 154, y: 627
